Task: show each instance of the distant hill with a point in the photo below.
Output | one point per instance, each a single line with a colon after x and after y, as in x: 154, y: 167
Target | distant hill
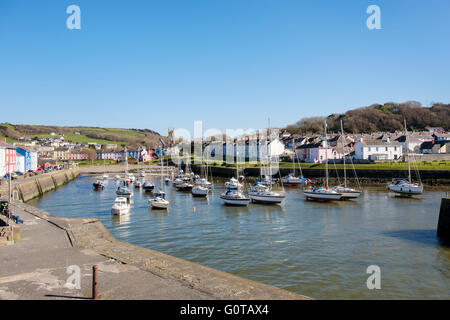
x: 387, y: 117
x: 129, y: 137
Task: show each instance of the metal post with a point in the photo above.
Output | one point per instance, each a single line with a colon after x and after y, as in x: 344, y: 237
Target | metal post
x: 94, y: 282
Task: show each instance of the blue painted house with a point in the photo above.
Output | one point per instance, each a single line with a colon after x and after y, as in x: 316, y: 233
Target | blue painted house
x: 27, y: 156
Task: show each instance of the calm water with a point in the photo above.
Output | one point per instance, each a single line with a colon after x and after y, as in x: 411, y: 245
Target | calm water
x: 316, y: 249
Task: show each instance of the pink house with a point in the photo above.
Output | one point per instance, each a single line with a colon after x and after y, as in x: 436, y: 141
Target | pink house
x: 317, y: 153
x: 10, y: 156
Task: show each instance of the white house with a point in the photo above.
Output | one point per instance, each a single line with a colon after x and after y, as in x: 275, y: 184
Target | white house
x: 376, y: 149
x: 34, y: 160
x: 2, y: 161
x: 20, y: 163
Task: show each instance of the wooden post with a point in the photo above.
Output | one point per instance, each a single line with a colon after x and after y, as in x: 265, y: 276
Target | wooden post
x: 443, y: 229
x: 94, y: 282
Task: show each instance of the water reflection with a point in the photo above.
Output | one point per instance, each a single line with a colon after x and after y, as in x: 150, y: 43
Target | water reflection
x: 316, y: 249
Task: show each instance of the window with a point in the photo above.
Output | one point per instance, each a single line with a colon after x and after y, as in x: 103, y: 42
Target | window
x: 386, y: 148
x: 377, y: 149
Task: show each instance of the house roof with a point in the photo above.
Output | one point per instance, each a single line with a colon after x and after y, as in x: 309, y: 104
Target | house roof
x: 377, y: 142
x: 6, y: 145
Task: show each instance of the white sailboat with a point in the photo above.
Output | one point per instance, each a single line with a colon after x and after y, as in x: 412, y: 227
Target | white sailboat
x: 262, y: 192
x: 323, y: 193
x: 201, y: 185
x: 403, y: 186
x: 347, y: 192
x: 291, y: 179
x: 234, y: 197
x: 159, y: 202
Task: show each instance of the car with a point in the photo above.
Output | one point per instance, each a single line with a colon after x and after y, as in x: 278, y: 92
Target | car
x: 39, y: 171
x: 19, y: 173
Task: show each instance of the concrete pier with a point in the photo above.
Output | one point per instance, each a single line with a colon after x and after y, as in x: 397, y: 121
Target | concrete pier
x: 39, y: 265
x: 443, y: 229
x: 35, y: 186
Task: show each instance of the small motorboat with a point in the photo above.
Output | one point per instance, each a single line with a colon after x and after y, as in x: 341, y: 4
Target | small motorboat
x: 148, y: 186
x: 203, y: 182
x: 105, y: 177
x: 130, y: 177
x: 167, y: 180
x: 184, y: 186
x: 138, y: 184
x: 142, y: 174
x: 404, y: 187
x: 233, y: 184
x: 293, y: 181
x: 158, y: 203
x: 200, y: 191
x: 120, y: 206
x: 99, y: 185
x: 235, y: 198
x: 117, y: 177
x: 322, y: 194
x: 124, y: 191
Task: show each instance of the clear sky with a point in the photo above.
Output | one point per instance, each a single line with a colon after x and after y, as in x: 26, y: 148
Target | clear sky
x: 231, y: 63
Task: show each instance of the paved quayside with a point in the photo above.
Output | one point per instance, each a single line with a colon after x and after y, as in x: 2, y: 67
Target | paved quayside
x: 35, y: 267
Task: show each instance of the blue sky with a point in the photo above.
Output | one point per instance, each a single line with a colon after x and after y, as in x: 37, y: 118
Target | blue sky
x: 234, y: 63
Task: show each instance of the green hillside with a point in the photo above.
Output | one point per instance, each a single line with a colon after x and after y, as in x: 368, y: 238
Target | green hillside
x: 124, y: 137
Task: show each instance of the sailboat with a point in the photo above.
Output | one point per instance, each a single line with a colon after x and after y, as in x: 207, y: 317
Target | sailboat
x: 233, y: 196
x: 262, y: 192
x: 291, y: 179
x: 105, y: 176
x: 403, y: 186
x: 185, y: 184
x: 323, y: 193
x: 201, y: 187
x: 347, y: 192
x: 159, y: 201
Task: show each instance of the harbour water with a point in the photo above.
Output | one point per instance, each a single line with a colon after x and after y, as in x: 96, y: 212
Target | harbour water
x: 321, y: 250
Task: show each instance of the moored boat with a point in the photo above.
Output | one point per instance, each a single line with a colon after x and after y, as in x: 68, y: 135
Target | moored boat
x: 158, y: 203
x: 120, y: 206
x: 322, y: 194
x: 99, y: 185
x: 235, y: 198
x: 148, y: 186
x: 199, y: 191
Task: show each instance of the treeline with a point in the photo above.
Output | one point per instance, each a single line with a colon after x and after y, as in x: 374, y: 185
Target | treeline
x: 387, y: 117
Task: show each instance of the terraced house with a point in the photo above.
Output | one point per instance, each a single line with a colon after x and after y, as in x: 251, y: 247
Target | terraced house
x: 7, y: 158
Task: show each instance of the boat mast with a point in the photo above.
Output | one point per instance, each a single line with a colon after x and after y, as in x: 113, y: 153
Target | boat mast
x: 343, y: 154
x: 407, y: 151
x: 326, y: 153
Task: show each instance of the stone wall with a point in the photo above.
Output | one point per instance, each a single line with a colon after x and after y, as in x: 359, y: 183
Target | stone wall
x: 36, y: 186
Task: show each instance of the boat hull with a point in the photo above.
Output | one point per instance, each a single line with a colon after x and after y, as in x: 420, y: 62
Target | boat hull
x: 322, y: 196
x: 235, y: 201
x: 406, y: 189
x: 120, y: 211
x: 266, y: 199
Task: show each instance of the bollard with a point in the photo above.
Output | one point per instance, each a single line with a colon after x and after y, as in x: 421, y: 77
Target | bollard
x: 94, y: 282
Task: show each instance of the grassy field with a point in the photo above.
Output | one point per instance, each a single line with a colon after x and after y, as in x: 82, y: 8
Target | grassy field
x: 81, y: 138
x: 431, y: 165
x: 95, y: 162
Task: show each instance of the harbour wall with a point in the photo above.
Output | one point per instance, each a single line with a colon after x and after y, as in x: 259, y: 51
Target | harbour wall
x: 29, y: 188
x: 92, y: 235
x: 431, y: 177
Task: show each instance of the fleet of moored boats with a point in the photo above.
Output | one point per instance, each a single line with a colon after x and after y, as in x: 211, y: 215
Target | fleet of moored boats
x: 261, y: 192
